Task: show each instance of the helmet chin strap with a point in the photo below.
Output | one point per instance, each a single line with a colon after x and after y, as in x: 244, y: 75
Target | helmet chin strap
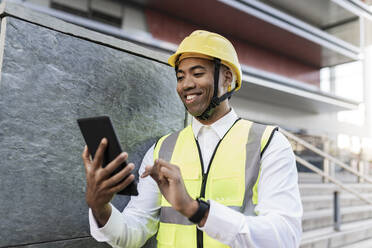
x: 215, y: 99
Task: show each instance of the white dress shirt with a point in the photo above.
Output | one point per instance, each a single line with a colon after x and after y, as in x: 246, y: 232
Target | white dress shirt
x: 279, y: 208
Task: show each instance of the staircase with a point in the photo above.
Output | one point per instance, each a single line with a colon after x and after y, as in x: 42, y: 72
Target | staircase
x: 317, y: 223
x: 355, y: 203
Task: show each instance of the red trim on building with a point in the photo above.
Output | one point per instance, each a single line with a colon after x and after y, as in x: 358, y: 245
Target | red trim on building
x: 164, y: 27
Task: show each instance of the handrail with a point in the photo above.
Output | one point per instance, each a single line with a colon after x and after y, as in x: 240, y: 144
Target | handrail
x: 325, y: 155
x: 333, y: 180
x: 321, y: 173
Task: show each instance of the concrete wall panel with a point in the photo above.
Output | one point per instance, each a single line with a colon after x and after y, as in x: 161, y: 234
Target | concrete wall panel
x: 74, y: 243
x: 48, y: 80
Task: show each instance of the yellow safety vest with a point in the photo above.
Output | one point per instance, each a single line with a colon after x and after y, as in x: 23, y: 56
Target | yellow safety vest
x: 231, y: 180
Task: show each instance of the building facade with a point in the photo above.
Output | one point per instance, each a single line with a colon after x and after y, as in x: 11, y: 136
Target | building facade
x: 305, y: 63
x: 306, y: 67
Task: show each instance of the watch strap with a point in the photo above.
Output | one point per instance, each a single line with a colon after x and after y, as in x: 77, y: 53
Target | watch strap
x: 200, y: 213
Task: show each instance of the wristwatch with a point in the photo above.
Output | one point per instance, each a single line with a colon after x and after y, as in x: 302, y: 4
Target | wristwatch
x: 200, y: 213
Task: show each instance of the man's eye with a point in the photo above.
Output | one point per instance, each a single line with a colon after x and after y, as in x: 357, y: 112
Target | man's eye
x: 179, y: 78
x: 199, y: 74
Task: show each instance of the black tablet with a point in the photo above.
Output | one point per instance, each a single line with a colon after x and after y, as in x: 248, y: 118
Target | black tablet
x: 94, y: 129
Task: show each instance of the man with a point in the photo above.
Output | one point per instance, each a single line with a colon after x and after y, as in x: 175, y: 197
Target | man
x: 219, y: 182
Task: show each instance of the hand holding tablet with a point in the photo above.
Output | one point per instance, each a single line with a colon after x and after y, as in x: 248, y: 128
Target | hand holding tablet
x: 94, y: 130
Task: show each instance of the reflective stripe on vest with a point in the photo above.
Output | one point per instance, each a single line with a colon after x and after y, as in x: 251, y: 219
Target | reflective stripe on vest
x: 232, y: 177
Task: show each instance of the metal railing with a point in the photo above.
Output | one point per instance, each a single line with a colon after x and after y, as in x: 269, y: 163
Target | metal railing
x: 330, y: 158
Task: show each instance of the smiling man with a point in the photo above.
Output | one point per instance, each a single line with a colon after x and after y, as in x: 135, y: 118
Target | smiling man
x: 197, y: 92
x: 221, y: 181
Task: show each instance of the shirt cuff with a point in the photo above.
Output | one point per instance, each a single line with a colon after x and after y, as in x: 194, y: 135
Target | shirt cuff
x: 109, y: 230
x: 223, y: 223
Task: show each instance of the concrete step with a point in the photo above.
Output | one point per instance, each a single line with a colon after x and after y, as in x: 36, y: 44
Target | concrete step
x: 307, y: 189
x: 311, y: 177
x: 304, y: 177
x: 318, y: 202
x: 362, y: 244
x: 328, y: 238
x: 323, y: 218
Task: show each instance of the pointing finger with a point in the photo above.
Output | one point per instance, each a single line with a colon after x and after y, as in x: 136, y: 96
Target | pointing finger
x: 147, y: 171
x: 162, y: 162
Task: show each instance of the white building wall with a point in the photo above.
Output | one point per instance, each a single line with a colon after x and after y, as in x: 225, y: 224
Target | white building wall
x: 44, y: 3
x: 134, y: 19
x: 111, y: 8
x: 283, y: 116
x: 293, y: 119
x: 368, y: 76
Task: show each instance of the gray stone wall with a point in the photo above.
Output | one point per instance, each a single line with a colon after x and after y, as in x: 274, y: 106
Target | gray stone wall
x: 48, y: 80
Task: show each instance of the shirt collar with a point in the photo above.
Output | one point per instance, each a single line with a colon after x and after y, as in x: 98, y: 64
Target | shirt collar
x: 221, y: 126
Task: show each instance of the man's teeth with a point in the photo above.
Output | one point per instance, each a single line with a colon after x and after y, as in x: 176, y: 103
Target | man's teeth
x: 189, y: 97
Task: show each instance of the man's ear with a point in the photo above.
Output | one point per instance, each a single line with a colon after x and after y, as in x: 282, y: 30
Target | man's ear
x: 228, y: 77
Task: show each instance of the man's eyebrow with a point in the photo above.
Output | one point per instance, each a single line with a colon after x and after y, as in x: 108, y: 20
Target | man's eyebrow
x: 197, y: 67
x: 192, y: 68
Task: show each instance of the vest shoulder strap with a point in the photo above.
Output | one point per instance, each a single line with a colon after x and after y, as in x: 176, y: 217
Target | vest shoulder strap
x: 165, y: 144
x: 265, y: 141
x: 266, y: 137
x: 267, y: 132
x: 158, y: 145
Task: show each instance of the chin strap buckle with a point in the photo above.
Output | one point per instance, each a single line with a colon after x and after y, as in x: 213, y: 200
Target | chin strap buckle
x: 214, y: 102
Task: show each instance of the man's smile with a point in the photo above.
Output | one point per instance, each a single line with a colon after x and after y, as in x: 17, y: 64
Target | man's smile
x: 190, y: 98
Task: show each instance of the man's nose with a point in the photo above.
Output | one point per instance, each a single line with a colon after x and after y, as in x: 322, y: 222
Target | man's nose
x: 188, y: 83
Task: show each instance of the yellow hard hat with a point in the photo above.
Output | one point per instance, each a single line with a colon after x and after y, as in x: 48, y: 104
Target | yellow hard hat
x: 213, y: 45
